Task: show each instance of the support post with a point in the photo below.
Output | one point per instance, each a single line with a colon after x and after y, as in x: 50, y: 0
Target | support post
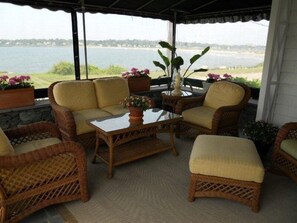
x: 75, y: 44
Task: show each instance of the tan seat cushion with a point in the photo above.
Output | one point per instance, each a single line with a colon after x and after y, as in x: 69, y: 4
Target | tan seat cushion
x: 290, y: 147
x: 35, y: 144
x: 201, y: 116
x: 226, y: 156
x: 75, y: 95
x: 223, y: 93
x: 115, y: 109
x: 81, y: 117
x: 6, y: 148
x: 111, y: 91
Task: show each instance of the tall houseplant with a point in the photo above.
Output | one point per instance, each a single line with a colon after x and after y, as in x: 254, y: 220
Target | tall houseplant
x: 177, y: 61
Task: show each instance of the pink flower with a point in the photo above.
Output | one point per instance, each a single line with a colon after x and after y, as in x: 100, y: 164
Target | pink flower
x: 12, y: 81
x: 146, y: 71
x: 134, y: 72
x: 227, y: 76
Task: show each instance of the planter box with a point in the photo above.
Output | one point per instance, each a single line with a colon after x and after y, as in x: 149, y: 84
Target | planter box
x: 139, y: 84
x: 15, y: 98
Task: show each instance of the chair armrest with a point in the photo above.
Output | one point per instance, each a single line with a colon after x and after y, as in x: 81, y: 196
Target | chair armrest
x: 287, y: 131
x: 38, y: 130
x: 42, y: 167
x: 188, y: 102
x: 226, y: 115
x: 65, y: 121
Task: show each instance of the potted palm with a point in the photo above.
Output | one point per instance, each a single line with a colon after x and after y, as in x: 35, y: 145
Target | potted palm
x: 262, y: 134
x: 177, y: 62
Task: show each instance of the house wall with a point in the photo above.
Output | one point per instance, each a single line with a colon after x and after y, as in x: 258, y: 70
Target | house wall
x: 286, y: 99
x: 278, y: 95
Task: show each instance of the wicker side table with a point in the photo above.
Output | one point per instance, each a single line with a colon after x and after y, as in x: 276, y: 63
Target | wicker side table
x: 169, y: 101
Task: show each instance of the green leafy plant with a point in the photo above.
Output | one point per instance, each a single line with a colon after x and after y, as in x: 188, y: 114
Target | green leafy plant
x: 137, y: 101
x: 177, y: 61
x: 261, y: 131
x: 63, y: 68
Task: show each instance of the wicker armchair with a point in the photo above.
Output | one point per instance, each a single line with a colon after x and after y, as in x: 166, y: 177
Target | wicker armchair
x: 33, y: 180
x: 284, y: 156
x: 216, y: 112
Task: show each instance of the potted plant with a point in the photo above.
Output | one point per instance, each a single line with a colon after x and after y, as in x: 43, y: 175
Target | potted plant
x: 16, y: 91
x: 211, y: 78
x: 138, y: 80
x: 136, y: 105
x: 263, y: 135
x: 177, y: 62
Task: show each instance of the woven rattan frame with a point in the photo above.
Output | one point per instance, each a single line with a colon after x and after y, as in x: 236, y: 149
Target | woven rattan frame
x: 244, y: 192
x: 281, y: 160
x: 66, y: 124
x: 225, y: 119
x: 34, y: 180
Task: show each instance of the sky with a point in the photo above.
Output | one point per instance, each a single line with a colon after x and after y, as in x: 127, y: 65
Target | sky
x: 24, y: 22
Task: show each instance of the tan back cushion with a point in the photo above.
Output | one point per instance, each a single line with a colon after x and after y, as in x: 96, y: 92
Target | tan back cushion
x: 111, y: 91
x: 75, y: 95
x: 223, y: 93
x: 6, y: 148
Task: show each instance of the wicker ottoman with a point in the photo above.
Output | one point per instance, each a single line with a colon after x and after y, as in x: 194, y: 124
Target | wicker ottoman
x: 226, y: 167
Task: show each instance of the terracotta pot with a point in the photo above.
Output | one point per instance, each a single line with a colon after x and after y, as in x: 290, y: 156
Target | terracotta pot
x: 15, y: 98
x: 135, y: 113
x: 139, y: 84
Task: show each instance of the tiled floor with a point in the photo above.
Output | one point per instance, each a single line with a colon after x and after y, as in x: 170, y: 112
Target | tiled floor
x: 48, y: 215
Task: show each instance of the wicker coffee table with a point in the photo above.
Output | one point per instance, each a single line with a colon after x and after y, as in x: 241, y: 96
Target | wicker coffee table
x: 128, y: 141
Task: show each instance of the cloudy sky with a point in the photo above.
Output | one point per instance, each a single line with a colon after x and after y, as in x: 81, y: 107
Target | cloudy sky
x: 23, y: 22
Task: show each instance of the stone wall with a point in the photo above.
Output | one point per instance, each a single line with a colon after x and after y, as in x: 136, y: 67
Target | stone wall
x: 11, y: 118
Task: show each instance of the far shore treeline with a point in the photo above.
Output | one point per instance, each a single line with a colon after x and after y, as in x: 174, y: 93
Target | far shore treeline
x: 135, y: 43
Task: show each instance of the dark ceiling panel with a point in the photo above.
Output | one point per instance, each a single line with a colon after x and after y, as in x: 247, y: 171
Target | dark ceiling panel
x: 187, y: 11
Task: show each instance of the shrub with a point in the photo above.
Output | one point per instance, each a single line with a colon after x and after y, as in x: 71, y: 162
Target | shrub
x: 93, y: 70
x: 255, y: 83
x: 114, y: 70
x: 63, y: 68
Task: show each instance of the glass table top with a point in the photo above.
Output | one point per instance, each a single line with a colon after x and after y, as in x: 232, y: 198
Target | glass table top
x: 121, y: 122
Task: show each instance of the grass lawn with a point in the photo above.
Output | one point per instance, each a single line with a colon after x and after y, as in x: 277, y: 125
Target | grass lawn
x: 43, y: 80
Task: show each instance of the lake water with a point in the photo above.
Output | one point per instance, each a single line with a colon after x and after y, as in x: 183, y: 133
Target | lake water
x: 41, y: 59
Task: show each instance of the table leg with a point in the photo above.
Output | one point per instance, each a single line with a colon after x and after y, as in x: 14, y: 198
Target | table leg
x: 110, y: 163
x: 96, y: 149
x: 171, y: 132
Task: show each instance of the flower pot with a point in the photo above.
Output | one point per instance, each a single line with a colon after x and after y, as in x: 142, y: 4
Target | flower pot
x: 15, y: 98
x: 139, y: 84
x: 262, y: 149
x: 136, y: 113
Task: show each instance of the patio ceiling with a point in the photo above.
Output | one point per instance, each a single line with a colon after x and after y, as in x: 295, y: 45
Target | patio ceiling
x: 187, y: 11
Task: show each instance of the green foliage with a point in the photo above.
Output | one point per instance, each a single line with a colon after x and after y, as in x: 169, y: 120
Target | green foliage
x: 66, y: 68
x: 92, y: 70
x: 260, y: 131
x: 177, y: 61
x: 255, y: 83
x: 114, y: 70
x: 63, y: 68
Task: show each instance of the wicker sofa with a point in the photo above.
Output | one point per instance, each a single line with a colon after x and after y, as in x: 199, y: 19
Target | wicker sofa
x: 74, y: 102
x: 38, y: 170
